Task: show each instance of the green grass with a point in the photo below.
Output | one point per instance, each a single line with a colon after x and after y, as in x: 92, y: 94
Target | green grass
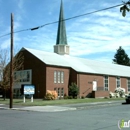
x: 40, y: 102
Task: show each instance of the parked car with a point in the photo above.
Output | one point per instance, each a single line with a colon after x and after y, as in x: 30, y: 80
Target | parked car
x: 128, y: 99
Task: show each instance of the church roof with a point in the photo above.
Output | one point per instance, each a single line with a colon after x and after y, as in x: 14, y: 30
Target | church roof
x: 61, y: 32
x: 80, y: 65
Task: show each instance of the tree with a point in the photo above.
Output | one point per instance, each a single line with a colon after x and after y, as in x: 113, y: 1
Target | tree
x: 73, y: 90
x: 125, y: 8
x: 121, y: 57
x: 5, y: 68
x: 4, y: 59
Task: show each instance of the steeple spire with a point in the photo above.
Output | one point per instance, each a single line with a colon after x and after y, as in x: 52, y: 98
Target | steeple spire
x: 61, y: 46
x: 61, y: 33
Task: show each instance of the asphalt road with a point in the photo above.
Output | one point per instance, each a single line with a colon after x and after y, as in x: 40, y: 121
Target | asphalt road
x: 92, y: 118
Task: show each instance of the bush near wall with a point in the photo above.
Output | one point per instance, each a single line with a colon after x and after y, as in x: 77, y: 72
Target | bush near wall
x: 73, y: 90
x: 51, y: 95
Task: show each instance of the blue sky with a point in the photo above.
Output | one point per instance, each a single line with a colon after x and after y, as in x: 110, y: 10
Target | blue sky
x: 96, y: 36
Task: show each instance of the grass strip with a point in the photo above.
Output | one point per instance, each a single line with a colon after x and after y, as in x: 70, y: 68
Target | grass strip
x: 41, y: 102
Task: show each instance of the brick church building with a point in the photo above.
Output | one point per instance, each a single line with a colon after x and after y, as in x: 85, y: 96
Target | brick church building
x: 56, y: 71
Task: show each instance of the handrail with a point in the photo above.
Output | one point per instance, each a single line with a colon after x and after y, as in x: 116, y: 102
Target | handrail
x: 86, y: 91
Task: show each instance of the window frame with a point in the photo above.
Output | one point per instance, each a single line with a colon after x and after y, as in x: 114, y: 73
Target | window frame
x: 62, y: 76
x: 106, y: 84
x: 118, y: 82
x: 59, y: 92
x: 128, y: 84
x: 55, y: 76
x: 58, y: 77
x: 62, y: 92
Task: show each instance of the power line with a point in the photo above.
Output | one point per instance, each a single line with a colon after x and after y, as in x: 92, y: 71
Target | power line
x: 34, y: 28
x: 5, y: 35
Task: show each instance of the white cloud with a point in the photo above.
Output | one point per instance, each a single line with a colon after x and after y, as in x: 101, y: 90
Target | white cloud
x: 17, y: 24
x: 89, y: 35
x: 20, y: 4
x: 51, y: 9
x: 5, y: 44
x: 97, y: 33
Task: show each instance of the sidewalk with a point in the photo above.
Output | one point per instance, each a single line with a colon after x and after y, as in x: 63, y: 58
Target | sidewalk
x: 59, y: 108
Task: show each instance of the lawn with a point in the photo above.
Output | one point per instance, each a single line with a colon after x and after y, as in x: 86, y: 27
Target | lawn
x: 41, y: 102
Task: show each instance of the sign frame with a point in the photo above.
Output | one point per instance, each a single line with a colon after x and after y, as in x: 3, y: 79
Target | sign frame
x: 28, y: 89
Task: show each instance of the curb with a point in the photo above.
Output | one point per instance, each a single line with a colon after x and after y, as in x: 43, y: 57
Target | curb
x: 59, y: 108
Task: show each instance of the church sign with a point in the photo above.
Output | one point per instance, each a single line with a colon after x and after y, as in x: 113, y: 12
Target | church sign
x: 29, y: 89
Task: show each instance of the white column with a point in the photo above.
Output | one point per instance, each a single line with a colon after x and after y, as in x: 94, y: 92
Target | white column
x: 24, y: 98
x: 31, y: 98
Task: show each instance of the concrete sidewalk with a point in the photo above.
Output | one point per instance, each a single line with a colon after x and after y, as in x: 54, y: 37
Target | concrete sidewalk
x: 45, y: 108
x: 59, y: 108
x: 38, y: 108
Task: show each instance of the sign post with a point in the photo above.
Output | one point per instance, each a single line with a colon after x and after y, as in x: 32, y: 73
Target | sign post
x: 31, y: 98
x: 24, y: 98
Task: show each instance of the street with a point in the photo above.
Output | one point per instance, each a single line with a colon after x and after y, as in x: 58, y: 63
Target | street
x: 91, y: 118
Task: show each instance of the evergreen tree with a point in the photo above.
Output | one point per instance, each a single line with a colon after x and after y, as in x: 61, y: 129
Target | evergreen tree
x: 125, y: 8
x: 121, y: 57
x: 73, y: 90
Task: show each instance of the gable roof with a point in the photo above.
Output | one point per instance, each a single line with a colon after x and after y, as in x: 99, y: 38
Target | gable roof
x: 80, y: 64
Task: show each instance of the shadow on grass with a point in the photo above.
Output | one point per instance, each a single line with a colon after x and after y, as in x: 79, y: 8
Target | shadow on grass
x: 18, y: 102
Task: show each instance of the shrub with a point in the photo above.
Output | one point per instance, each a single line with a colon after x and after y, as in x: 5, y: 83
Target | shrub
x: 60, y: 98
x: 75, y: 97
x: 82, y: 97
x: 73, y: 90
x: 65, y: 96
x: 119, y: 92
x: 70, y: 97
x: 106, y: 97
x: 51, y: 95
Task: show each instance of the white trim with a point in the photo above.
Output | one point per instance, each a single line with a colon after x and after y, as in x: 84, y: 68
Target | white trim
x: 62, y: 76
x: 58, y: 77
x: 117, y: 80
x: 105, y: 83
x: 21, y: 77
x: 58, y: 92
x: 127, y: 84
x: 55, y: 76
x: 62, y: 92
x: 94, y: 85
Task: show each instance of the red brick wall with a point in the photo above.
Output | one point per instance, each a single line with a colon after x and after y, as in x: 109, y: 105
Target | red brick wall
x: 112, y: 84
x: 73, y: 76
x: 50, y: 85
x: 38, y: 73
x: 85, y: 88
x: 97, y: 94
x: 86, y: 83
x: 43, y: 78
x: 124, y: 83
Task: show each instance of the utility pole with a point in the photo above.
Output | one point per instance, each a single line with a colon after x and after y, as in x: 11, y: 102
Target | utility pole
x: 11, y: 63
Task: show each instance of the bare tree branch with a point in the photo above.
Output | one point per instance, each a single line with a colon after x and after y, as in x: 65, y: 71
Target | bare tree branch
x: 5, y: 67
